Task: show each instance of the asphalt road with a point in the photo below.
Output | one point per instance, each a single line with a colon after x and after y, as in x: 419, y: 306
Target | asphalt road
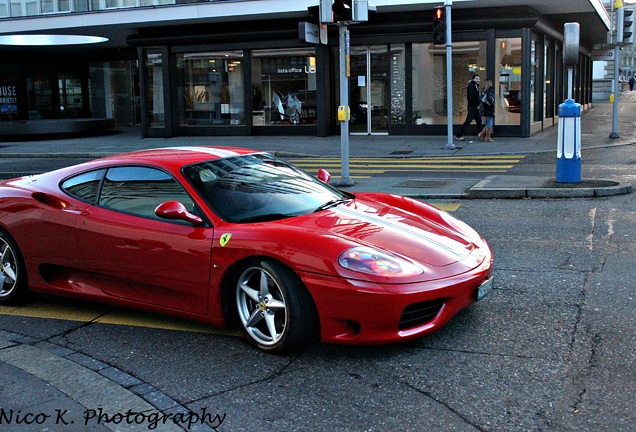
x: 551, y: 348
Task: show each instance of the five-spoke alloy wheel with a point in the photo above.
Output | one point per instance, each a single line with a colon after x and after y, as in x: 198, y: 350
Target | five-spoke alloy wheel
x: 12, y: 272
x: 276, y: 311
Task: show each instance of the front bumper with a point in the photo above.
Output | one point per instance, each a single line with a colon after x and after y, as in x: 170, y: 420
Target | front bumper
x: 363, y: 313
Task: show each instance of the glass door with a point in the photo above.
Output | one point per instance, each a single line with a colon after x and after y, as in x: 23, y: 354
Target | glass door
x: 369, y: 89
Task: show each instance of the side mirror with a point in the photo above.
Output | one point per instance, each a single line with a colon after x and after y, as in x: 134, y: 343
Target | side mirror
x: 174, y: 210
x: 323, y: 175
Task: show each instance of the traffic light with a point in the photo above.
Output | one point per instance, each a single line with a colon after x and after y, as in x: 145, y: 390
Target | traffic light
x: 342, y: 10
x: 628, y: 26
x: 313, y: 14
x: 345, y: 11
x: 439, y: 26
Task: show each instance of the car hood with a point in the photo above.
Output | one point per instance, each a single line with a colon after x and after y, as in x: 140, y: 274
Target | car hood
x: 424, y: 239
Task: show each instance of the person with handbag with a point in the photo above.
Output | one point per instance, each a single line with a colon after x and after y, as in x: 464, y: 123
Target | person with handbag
x: 474, y: 101
x: 488, y: 110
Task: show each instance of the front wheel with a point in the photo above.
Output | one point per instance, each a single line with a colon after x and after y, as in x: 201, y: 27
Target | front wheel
x: 13, y: 279
x: 275, y: 309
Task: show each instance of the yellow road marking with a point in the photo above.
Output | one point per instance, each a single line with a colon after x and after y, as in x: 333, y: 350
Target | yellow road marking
x: 407, y: 165
x: 447, y: 207
x: 371, y: 166
x: 70, y: 310
x: 516, y: 157
x: 406, y: 168
x: 402, y: 162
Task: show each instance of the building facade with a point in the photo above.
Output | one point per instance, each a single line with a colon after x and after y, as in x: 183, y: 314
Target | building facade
x: 179, y: 68
x: 604, y: 54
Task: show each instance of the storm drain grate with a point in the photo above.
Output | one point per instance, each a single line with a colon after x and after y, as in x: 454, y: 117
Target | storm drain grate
x: 401, y: 152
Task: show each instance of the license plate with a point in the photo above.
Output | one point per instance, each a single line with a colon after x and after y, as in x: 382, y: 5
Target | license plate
x: 485, y: 288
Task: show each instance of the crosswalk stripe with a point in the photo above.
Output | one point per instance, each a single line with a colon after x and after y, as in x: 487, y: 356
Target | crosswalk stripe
x: 447, y: 207
x: 371, y: 166
x: 414, y: 160
x: 410, y: 167
x: 406, y: 165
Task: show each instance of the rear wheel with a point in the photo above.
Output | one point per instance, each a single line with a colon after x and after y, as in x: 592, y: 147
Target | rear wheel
x: 277, y: 313
x: 13, y: 278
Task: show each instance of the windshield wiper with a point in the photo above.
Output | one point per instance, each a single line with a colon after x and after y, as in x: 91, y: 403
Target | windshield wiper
x: 330, y: 204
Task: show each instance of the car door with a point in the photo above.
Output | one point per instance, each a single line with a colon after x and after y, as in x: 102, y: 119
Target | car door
x: 138, y: 256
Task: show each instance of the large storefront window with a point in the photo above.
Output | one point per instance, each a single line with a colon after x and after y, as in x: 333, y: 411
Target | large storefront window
x: 40, y: 90
x: 114, y: 91
x: 398, y: 85
x: 211, y: 89
x: 284, y: 87
x: 429, y: 80
x: 548, y: 73
x: 508, y: 90
x: 154, y: 76
x: 10, y: 79
x: 70, y: 93
x: 534, y: 65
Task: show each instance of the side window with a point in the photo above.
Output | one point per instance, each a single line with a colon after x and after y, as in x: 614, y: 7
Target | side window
x: 139, y: 190
x: 84, y: 186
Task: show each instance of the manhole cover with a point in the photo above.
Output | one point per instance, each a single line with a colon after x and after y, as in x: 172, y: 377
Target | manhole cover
x: 423, y: 184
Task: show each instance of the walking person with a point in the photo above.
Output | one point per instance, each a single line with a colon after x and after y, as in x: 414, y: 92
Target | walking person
x: 631, y: 83
x: 488, y: 110
x: 474, y: 101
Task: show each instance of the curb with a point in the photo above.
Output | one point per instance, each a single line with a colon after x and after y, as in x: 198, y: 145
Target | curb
x: 535, y: 189
x: 93, y: 384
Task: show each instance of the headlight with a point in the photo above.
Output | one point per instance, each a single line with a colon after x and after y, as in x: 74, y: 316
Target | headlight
x: 371, y: 261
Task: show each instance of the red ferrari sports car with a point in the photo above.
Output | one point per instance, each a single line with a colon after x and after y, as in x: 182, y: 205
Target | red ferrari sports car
x: 236, y: 236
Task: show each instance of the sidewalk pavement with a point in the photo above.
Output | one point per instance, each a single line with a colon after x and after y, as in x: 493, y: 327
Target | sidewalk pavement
x: 596, y: 125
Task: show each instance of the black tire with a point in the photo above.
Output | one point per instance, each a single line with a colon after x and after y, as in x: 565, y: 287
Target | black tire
x: 13, y: 276
x: 276, y: 312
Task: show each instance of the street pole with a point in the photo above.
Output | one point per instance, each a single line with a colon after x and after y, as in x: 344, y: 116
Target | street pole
x: 450, y: 145
x: 617, y: 66
x: 619, y: 14
x: 568, y: 163
x: 343, y: 51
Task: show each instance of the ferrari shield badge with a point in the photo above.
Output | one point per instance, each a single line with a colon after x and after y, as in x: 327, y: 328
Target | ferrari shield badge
x: 225, y: 238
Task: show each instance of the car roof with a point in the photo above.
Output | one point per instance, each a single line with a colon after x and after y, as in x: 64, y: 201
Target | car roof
x: 171, y: 159
x: 175, y: 156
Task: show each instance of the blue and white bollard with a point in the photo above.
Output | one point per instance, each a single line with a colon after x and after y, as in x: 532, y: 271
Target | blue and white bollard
x: 568, y: 167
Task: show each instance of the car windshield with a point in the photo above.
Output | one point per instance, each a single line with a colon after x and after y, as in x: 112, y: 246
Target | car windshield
x: 260, y: 187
